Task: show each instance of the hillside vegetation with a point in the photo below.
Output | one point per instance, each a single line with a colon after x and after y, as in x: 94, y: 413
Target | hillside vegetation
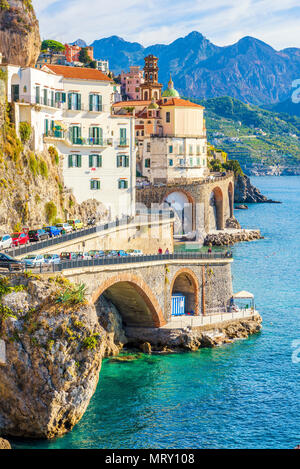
x: 257, y: 138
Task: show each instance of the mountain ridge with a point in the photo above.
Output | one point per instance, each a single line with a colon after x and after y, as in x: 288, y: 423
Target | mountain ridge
x: 250, y: 69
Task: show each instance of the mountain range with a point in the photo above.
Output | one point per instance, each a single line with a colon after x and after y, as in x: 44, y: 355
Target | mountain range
x: 249, y: 70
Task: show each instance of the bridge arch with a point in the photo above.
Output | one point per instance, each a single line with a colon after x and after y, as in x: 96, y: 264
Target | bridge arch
x: 217, y: 204
x: 183, y: 204
x: 230, y: 198
x: 186, y: 282
x: 134, y: 299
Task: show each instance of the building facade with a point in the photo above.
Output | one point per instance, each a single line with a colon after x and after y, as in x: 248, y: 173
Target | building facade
x: 72, y: 52
x: 131, y: 83
x: 70, y: 108
x: 103, y: 66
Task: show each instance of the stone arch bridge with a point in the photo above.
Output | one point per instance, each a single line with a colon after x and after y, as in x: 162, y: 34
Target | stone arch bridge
x: 210, y: 201
x: 142, y: 289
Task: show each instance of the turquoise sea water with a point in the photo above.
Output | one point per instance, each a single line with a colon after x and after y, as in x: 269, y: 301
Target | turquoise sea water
x: 243, y: 395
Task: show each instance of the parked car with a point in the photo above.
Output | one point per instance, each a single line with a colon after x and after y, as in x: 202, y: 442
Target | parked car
x: 122, y: 254
x: 53, y: 231
x: 65, y: 227
x: 20, y: 238
x: 33, y: 260
x: 5, y: 241
x: 52, y: 258
x: 111, y: 253
x: 76, y: 224
x: 135, y: 252
x: 7, y: 262
x: 96, y: 254
x: 68, y: 256
x: 38, y: 235
x: 85, y: 256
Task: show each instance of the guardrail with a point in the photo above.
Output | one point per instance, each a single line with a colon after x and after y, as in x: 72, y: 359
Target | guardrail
x: 66, y: 265
x: 104, y: 261
x: 36, y: 246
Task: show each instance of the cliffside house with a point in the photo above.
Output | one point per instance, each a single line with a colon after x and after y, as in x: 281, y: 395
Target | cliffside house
x: 70, y: 108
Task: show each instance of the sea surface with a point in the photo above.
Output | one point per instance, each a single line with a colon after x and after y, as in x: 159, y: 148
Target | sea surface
x: 242, y: 395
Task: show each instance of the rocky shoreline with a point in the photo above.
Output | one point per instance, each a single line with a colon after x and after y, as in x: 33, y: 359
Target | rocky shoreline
x: 245, y: 192
x: 192, y: 339
x: 4, y: 444
x: 231, y: 236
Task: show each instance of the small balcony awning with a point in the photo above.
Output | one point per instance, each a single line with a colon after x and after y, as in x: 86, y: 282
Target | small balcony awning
x: 243, y: 294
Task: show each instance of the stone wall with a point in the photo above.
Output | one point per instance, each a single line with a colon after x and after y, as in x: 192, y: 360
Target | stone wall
x: 143, y: 293
x: 199, y: 195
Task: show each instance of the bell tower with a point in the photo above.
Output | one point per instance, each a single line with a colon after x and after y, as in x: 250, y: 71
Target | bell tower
x: 151, y: 89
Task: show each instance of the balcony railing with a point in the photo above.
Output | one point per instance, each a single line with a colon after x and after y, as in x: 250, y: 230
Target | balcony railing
x: 87, y: 141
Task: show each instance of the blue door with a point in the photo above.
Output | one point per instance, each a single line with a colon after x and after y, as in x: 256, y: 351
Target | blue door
x: 178, y: 305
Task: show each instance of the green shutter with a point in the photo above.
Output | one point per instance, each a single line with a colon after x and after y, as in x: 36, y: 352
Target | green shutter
x: 46, y: 126
x: 127, y: 161
x: 63, y: 97
x: 78, y: 102
x: 98, y: 184
x: 91, y: 101
x: 100, y: 103
x: 70, y: 162
x: 90, y: 161
x: 78, y: 161
x: 99, y: 161
x: 70, y: 101
x: 118, y: 161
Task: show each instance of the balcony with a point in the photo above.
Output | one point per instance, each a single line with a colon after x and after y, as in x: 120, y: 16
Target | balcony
x: 62, y: 135
x: 123, y: 143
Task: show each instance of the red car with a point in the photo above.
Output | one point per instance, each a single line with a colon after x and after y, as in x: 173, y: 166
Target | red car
x: 20, y: 238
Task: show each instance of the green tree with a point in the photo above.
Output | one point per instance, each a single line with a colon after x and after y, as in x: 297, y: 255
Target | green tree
x: 84, y: 56
x: 54, y: 46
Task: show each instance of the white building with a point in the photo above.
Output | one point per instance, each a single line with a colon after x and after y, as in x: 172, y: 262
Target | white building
x: 103, y: 66
x: 70, y: 108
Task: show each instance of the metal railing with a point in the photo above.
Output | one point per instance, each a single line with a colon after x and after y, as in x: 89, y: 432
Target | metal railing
x: 38, y: 245
x: 88, y: 141
x: 66, y: 265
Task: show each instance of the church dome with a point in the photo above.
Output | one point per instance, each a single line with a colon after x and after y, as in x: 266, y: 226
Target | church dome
x: 170, y: 92
x: 153, y: 105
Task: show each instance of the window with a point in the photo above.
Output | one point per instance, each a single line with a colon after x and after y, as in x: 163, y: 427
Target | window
x: 198, y: 162
x: 181, y: 149
x: 123, y: 184
x: 94, y: 184
x: 123, y: 140
x: 95, y: 102
x: 95, y: 161
x: 75, y: 135
x: 37, y: 95
x: 168, y: 117
x: 191, y: 161
x: 74, y: 161
x: 45, y: 96
x: 181, y: 162
x: 191, y: 149
x: 198, y: 150
x: 74, y: 101
x: 122, y: 161
x: 170, y: 148
x: 60, y: 97
x: 147, y: 163
x: 137, y: 133
x: 170, y: 162
x: 96, y: 136
x: 148, y: 147
x: 52, y: 98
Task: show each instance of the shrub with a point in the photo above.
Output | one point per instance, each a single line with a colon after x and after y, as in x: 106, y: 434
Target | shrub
x: 73, y: 295
x: 50, y: 211
x: 91, y: 342
x: 33, y: 163
x: 54, y: 154
x: 43, y: 168
x: 25, y: 131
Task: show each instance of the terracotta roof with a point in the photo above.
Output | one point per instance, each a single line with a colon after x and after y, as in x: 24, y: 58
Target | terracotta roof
x: 80, y: 73
x: 180, y: 102
x: 131, y: 103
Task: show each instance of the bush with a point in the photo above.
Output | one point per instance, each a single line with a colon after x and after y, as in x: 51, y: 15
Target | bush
x: 43, y: 168
x: 33, y: 163
x: 54, y: 154
x: 25, y: 131
x: 50, y: 211
x: 73, y: 295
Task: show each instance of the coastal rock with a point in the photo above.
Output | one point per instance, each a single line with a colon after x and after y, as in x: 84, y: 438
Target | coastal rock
x: 228, y: 238
x: 110, y: 319
x: 232, y: 223
x: 4, y: 444
x: 192, y: 339
x: 146, y: 347
x: 245, y: 192
x: 53, y: 359
x: 20, y: 41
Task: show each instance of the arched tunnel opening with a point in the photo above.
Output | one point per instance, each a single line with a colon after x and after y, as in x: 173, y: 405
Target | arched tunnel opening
x: 136, y: 304
x: 185, y: 286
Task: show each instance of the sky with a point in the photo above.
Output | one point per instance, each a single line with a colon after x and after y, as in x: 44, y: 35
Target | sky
x: 148, y: 22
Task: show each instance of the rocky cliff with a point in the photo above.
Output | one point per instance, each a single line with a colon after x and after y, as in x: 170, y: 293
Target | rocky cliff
x: 245, y: 192
x: 20, y: 42
x: 55, y: 341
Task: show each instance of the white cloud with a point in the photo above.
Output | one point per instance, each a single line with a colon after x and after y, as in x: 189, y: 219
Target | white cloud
x: 153, y: 21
